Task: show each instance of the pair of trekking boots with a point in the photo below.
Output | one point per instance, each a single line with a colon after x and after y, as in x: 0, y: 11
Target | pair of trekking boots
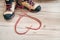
x: 11, y: 6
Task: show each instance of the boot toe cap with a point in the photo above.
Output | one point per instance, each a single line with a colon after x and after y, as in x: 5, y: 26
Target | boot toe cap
x: 38, y: 8
x: 8, y: 16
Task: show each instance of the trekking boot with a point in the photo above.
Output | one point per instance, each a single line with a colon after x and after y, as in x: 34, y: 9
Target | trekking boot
x: 29, y: 4
x: 10, y: 6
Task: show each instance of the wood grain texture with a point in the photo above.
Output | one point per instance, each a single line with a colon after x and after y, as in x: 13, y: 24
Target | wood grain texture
x: 49, y: 16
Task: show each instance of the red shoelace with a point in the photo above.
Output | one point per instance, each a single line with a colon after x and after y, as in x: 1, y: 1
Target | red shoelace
x: 24, y: 14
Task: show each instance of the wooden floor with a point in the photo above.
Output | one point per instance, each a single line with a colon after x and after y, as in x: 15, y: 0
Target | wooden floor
x: 49, y: 16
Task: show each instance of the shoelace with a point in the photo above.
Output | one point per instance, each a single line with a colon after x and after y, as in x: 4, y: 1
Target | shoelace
x: 30, y: 2
x: 8, y: 6
x: 28, y: 28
